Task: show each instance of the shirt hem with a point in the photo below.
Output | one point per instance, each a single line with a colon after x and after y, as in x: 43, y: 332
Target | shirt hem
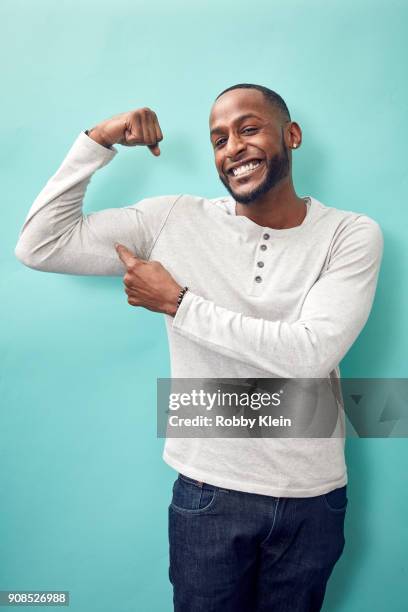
x: 258, y: 489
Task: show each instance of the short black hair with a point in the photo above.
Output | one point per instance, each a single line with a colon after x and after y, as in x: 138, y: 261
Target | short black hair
x: 274, y: 99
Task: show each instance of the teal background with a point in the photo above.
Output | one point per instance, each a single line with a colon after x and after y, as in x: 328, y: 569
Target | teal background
x: 84, y: 491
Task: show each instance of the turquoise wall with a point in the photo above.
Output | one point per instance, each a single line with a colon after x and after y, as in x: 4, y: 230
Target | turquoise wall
x: 84, y: 489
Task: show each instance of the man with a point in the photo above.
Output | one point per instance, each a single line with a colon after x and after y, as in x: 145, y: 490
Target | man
x: 259, y: 284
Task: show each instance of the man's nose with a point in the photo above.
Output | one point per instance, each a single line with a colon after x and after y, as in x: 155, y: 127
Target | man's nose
x: 234, y: 146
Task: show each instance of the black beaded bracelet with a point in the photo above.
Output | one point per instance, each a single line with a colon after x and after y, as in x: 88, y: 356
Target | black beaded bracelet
x: 182, y: 293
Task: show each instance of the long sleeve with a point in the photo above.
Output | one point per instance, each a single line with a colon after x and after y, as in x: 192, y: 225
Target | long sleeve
x: 58, y: 237
x: 332, y: 316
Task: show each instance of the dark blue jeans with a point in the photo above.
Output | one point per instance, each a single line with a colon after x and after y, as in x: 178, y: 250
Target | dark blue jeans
x: 242, y: 552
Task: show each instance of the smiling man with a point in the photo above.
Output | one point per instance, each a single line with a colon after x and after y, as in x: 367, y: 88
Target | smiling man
x: 263, y: 161
x: 255, y: 285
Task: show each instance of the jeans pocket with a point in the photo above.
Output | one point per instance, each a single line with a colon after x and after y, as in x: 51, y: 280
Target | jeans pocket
x: 191, y: 496
x: 336, y: 500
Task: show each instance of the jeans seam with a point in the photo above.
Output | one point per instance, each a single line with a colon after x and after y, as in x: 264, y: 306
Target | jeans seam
x: 197, y: 483
x: 194, y: 511
x: 200, y: 483
x: 273, y: 523
x: 330, y: 508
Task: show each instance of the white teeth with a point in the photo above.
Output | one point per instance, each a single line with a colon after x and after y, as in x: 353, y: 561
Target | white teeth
x: 245, y: 168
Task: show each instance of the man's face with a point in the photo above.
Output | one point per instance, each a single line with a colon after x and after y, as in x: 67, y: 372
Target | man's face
x: 244, y: 129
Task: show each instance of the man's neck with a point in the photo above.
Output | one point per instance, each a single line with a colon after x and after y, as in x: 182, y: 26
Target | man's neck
x: 280, y: 208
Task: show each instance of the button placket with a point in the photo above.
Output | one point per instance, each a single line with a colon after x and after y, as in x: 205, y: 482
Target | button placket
x: 260, y: 263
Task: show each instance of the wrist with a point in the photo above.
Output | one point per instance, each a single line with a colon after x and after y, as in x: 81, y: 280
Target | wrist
x: 176, y: 299
x: 97, y: 136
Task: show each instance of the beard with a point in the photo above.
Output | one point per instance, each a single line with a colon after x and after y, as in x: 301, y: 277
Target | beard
x: 278, y: 168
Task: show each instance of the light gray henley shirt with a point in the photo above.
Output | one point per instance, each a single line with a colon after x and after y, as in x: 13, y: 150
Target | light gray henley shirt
x: 294, y: 316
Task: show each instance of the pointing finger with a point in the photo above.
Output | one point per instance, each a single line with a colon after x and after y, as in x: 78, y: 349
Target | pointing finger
x: 125, y: 254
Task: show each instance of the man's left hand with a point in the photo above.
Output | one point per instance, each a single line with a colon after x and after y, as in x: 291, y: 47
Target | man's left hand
x: 148, y: 284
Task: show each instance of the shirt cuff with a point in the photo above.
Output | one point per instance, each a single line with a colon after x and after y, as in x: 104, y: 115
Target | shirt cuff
x: 86, y: 132
x: 92, y: 145
x: 86, y: 151
x: 181, y: 312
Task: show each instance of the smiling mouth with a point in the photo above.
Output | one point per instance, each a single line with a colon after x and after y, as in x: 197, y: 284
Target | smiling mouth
x: 246, y: 169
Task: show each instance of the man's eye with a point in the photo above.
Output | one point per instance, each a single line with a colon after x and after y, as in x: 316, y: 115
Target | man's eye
x: 220, y: 141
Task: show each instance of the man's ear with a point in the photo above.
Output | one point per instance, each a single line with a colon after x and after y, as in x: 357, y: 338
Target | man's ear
x: 293, y: 135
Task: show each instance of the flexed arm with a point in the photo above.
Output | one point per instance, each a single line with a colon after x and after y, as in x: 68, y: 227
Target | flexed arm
x: 58, y: 237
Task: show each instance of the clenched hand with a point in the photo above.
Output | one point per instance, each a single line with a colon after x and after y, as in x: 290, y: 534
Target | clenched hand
x: 137, y: 127
x: 148, y: 283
